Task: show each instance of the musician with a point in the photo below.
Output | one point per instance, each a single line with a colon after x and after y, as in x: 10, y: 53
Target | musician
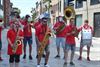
x: 86, y: 38
x: 59, y: 27
x: 14, y: 35
x: 35, y: 25
x: 70, y: 41
x: 27, y: 36
x: 1, y: 28
x: 42, y: 29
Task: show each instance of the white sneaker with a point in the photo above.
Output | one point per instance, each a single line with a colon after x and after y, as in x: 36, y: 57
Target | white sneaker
x: 38, y: 66
x: 46, y: 65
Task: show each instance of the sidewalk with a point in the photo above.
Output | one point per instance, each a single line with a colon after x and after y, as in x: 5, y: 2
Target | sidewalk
x: 95, y: 55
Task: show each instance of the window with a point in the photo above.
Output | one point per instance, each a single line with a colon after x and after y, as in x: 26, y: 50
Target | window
x: 93, y: 2
x: 65, y: 3
x: 60, y: 6
x: 78, y: 5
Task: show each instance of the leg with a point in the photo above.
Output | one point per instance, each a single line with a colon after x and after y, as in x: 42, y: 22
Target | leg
x: 17, y: 60
x: 0, y: 51
x: 88, y: 53
x: 58, y: 47
x: 11, y: 60
x: 30, y: 47
x: 25, y: 44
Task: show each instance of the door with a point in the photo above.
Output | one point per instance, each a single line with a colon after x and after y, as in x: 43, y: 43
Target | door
x: 97, y: 24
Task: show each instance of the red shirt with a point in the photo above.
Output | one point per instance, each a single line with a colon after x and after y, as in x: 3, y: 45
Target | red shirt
x: 70, y: 39
x: 61, y: 33
x: 41, y: 32
x: 12, y: 36
x: 27, y: 29
x: 35, y: 26
x: 0, y: 31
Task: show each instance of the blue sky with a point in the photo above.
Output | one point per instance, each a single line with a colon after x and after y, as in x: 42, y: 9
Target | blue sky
x: 24, y: 5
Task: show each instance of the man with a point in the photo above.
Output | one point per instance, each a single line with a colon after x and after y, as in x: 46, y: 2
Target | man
x: 41, y: 33
x: 15, y: 37
x: 59, y: 28
x: 27, y: 36
x: 1, y: 28
x: 86, y: 38
x: 70, y: 41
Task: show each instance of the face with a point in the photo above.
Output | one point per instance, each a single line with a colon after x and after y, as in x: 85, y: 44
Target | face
x: 72, y: 21
x: 44, y: 21
x: 60, y: 19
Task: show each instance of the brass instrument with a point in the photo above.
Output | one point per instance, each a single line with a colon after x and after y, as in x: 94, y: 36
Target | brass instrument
x: 44, y: 43
x: 75, y: 32
x: 69, y: 12
x: 16, y: 43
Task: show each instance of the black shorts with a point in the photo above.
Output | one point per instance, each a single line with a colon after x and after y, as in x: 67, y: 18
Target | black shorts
x: 14, y: 58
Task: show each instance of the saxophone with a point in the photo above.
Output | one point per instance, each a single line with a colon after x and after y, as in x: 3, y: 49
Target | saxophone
x: 44, y: 43
x: 16, y: 43
x: 60, y: 28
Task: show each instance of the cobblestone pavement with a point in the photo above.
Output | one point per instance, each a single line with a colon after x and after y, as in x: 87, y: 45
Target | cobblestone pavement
x: 95, y: 55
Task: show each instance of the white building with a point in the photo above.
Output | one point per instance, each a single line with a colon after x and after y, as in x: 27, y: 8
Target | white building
x: 1, y: 9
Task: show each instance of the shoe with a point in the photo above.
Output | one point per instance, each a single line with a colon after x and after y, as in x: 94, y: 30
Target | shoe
x: 38, y: 66
x: 80, y: 58
x: 43, y: 55
x: 65, y: 63
x: 71, y: 63
x: 88, y: 59
x: 1, y: 59
x: 36, y: 56
x: 24, y: 57
x: 30, y: 57
x: 46, y: 65
x: 57, y: 56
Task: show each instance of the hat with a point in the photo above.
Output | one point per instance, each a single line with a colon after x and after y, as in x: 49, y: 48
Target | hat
x: 27, y: 16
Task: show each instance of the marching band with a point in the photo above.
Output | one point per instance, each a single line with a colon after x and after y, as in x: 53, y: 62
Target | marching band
x: 20, y: 33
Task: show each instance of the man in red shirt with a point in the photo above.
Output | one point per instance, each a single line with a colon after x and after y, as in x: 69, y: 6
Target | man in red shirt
x: 59, y: 28
x: 42, y: 29
x: 27, y: 36
x: 86, y: 38
x: 1, y: 28
x: 70, y: 41
x: 15, y: 37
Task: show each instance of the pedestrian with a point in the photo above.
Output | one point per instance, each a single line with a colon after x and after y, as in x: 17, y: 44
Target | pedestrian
x: 14, y: 37
x: 1, y: 28
x: 86, y: 38
x: 70, y: 41
x: 43, y: 29
x: 59, y: 29
x: 27, y: 36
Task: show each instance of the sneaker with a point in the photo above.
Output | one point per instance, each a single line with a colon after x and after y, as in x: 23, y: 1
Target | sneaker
x: 38, y: 66
x: 80, y: 58
x: 1, y: 59
x: 46, y: 65
x: 71, y: 63
x: 88, y: 59
x: 24, y: 57
x: 30, y: 57
x: 57, y: 56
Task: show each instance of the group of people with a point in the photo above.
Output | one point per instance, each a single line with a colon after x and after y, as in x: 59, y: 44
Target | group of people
x: 20, y: 33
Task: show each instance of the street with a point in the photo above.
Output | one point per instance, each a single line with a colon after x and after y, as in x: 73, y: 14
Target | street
x: 94, y: 55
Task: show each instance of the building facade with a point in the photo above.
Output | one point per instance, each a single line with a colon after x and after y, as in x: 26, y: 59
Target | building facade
x: 1, y: 9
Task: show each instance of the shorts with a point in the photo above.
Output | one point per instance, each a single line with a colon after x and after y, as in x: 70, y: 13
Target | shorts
x: 14, y: 58
x: 60, y: 41
x: 86, y: 42
x: 0, y: 44
x: 70, y: 47
x: 27, y: 40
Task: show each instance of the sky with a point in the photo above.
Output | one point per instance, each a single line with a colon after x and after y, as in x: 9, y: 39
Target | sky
x: 24, y: 5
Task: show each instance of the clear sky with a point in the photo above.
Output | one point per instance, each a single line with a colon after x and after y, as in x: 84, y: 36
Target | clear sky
x: 24, y: 5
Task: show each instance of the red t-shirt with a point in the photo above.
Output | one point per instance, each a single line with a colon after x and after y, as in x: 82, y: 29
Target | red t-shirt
x: 27, y: 29
x: 0, y: 31
x: 41, y: 32
x: 61, y: 33
x: 35, y: 26
x: 11, y: 34
x: 70, y: 39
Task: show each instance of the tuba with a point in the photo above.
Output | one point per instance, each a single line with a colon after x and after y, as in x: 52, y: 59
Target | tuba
x: 69, y: 12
